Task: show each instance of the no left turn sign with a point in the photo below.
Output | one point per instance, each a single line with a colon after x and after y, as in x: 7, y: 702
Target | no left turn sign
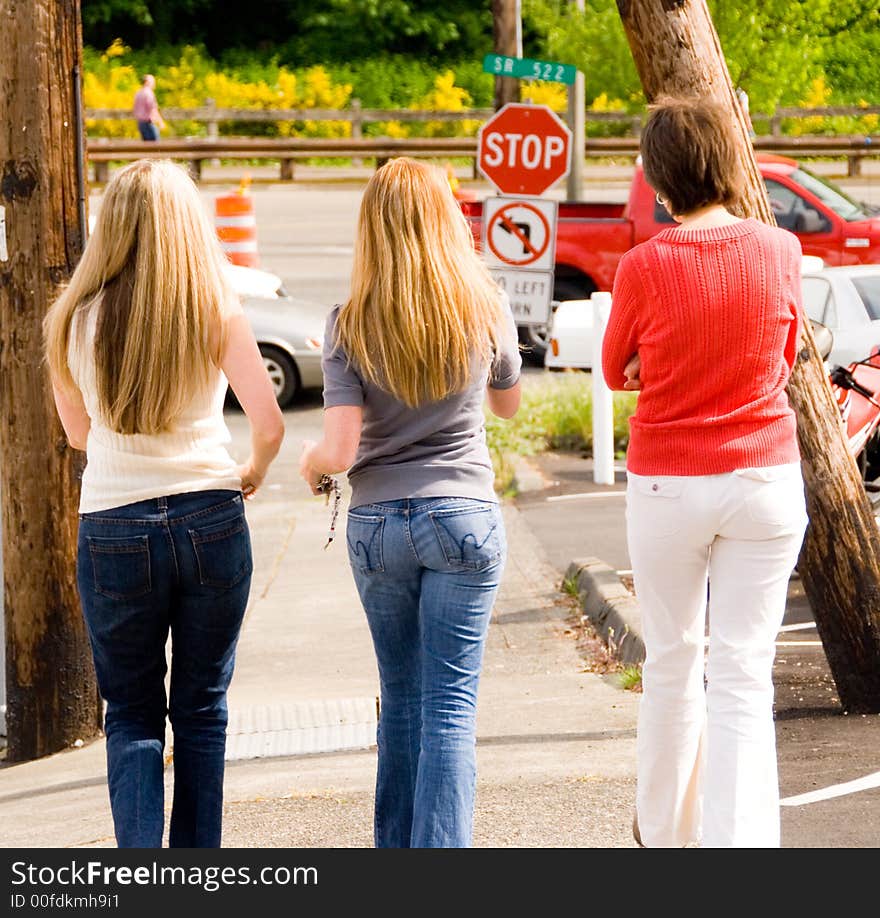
x: 519, y: 233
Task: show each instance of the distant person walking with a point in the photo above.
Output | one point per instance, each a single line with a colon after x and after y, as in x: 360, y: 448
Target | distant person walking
x: 705, y: 321
x: 425, y: 337
x: 743, y: 98
x: 140, y: 346
x: 146, y: 110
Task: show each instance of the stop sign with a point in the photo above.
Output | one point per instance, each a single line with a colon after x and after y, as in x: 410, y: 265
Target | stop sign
x: 524, y: 149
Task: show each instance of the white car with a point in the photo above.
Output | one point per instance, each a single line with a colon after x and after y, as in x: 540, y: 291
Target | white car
x: 570, y: 342
x: 289, y: 331
x: 847, y: 301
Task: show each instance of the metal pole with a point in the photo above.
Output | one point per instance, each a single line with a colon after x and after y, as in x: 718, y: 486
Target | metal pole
x: 519, y: 50
x: 80, y: 158
x: 603, y: 405
x: 576, y: 113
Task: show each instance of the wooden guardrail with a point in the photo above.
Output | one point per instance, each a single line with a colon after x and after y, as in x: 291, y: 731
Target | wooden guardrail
x: 287, y: 150
x: 196, y: 151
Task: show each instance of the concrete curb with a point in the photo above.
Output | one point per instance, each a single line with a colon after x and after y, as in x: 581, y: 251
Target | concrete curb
x: 611, y: 608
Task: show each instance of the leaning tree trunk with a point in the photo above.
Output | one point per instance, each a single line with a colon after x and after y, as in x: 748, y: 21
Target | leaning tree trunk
x: 52, y: 696
x: 677, y: 52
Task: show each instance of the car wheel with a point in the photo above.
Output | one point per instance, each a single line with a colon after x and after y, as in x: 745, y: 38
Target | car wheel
x: 536, y: 338
x: 282, y: 372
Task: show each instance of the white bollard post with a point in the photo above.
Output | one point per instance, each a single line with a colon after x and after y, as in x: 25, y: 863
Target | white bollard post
x: 603, y: 405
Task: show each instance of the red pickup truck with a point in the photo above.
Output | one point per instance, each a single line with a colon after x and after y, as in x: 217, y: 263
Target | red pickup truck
x: 592, y: 238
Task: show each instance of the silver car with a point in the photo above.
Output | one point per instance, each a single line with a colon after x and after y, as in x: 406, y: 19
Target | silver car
x: 289, y: 331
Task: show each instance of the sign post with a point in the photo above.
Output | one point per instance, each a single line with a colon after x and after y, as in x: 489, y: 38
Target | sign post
x: 603, y: 400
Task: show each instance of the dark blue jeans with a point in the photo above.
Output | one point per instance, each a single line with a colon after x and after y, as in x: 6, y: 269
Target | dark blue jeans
x: 148, y: 130
x: 427, y: 571
x: 180, y: 564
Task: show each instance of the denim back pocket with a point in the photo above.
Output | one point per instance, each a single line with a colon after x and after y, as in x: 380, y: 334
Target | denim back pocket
x: 470, y: 537
x: 364, y: 536
x: 121, y: 566
x: 223, y: 552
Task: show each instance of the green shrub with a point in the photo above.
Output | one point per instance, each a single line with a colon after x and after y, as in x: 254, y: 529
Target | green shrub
x: 556, y: 413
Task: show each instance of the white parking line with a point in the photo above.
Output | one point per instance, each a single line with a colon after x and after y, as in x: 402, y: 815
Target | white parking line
x: 586, y: 495
x: 799, y: 626
x: 869, y: 782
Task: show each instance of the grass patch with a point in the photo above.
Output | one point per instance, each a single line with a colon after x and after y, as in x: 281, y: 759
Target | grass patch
x: 570, y: 586
x: 556, y: 413
x: 630, y: 677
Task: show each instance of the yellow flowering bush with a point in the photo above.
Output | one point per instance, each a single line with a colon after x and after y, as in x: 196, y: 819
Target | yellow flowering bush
x: 446, y: 97
x: 110, y: 83
x: 553, y: 95
x: 819, y: 96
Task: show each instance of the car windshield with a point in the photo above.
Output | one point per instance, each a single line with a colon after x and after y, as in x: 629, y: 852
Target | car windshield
x: 833, y: 198
x: 868, y: 288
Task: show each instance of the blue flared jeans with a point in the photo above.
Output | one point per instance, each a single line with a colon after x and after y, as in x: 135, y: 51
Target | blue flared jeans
x: 427, y: 571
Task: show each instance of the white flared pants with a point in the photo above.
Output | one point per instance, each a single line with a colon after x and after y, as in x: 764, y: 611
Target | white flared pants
x: 707, y: 750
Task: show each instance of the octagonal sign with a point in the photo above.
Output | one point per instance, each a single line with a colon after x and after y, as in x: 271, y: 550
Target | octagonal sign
x: 524, y: 149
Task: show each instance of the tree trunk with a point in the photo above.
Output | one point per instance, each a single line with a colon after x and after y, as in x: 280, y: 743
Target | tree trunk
x: 504, y: 29
x: 677, y: 52
x: 52, y: 696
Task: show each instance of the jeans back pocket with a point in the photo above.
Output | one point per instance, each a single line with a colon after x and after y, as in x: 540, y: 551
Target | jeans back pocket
x: 120, y: 566
x: 364, y: 536
x: 223, y: 552
x: 471, y: 537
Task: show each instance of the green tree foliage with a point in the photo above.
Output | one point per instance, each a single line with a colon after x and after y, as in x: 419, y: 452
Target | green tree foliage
x: 775, y: 49
x: 300, y: 32
x: 593, y: 40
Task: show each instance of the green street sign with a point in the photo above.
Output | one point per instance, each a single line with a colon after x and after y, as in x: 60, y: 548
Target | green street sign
x: 524, y: 68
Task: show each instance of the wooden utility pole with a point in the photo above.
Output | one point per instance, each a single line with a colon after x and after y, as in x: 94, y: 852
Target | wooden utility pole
x: 677, y: 52
x: 52, y: 698
x: 506, y: 31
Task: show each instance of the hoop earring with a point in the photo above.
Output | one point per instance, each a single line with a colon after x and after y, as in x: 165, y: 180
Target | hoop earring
x: 661, y: 200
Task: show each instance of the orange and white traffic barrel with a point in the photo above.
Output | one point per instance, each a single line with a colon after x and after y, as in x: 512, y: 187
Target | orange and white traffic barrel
x: 236, y: 225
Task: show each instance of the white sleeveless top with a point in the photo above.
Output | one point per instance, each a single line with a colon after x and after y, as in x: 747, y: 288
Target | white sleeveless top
x: 127, y: 468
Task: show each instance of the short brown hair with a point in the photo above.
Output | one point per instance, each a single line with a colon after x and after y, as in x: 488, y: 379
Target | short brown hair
x: 689, y: 154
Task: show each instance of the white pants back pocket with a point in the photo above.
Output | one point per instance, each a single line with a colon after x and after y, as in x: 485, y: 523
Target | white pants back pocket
x: 654, y: 501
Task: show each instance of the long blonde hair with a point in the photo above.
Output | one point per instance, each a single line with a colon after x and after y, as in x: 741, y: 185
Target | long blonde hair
x: 154, y: 271
x: 422, y: 306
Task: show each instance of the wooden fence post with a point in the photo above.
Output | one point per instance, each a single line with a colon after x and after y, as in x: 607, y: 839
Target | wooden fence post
x: 357, y: 128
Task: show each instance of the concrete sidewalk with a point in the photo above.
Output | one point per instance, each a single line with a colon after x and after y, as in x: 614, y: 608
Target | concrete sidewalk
x: 556, y: 745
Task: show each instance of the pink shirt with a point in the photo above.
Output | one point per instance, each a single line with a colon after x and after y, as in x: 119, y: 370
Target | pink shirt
x: 145, y: 107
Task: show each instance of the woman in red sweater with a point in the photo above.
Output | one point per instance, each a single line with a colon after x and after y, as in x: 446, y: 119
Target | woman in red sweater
x: 705, y: 321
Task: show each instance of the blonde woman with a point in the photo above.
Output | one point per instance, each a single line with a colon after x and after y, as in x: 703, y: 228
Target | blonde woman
x: 140, y: 346
x: 408, y: 361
